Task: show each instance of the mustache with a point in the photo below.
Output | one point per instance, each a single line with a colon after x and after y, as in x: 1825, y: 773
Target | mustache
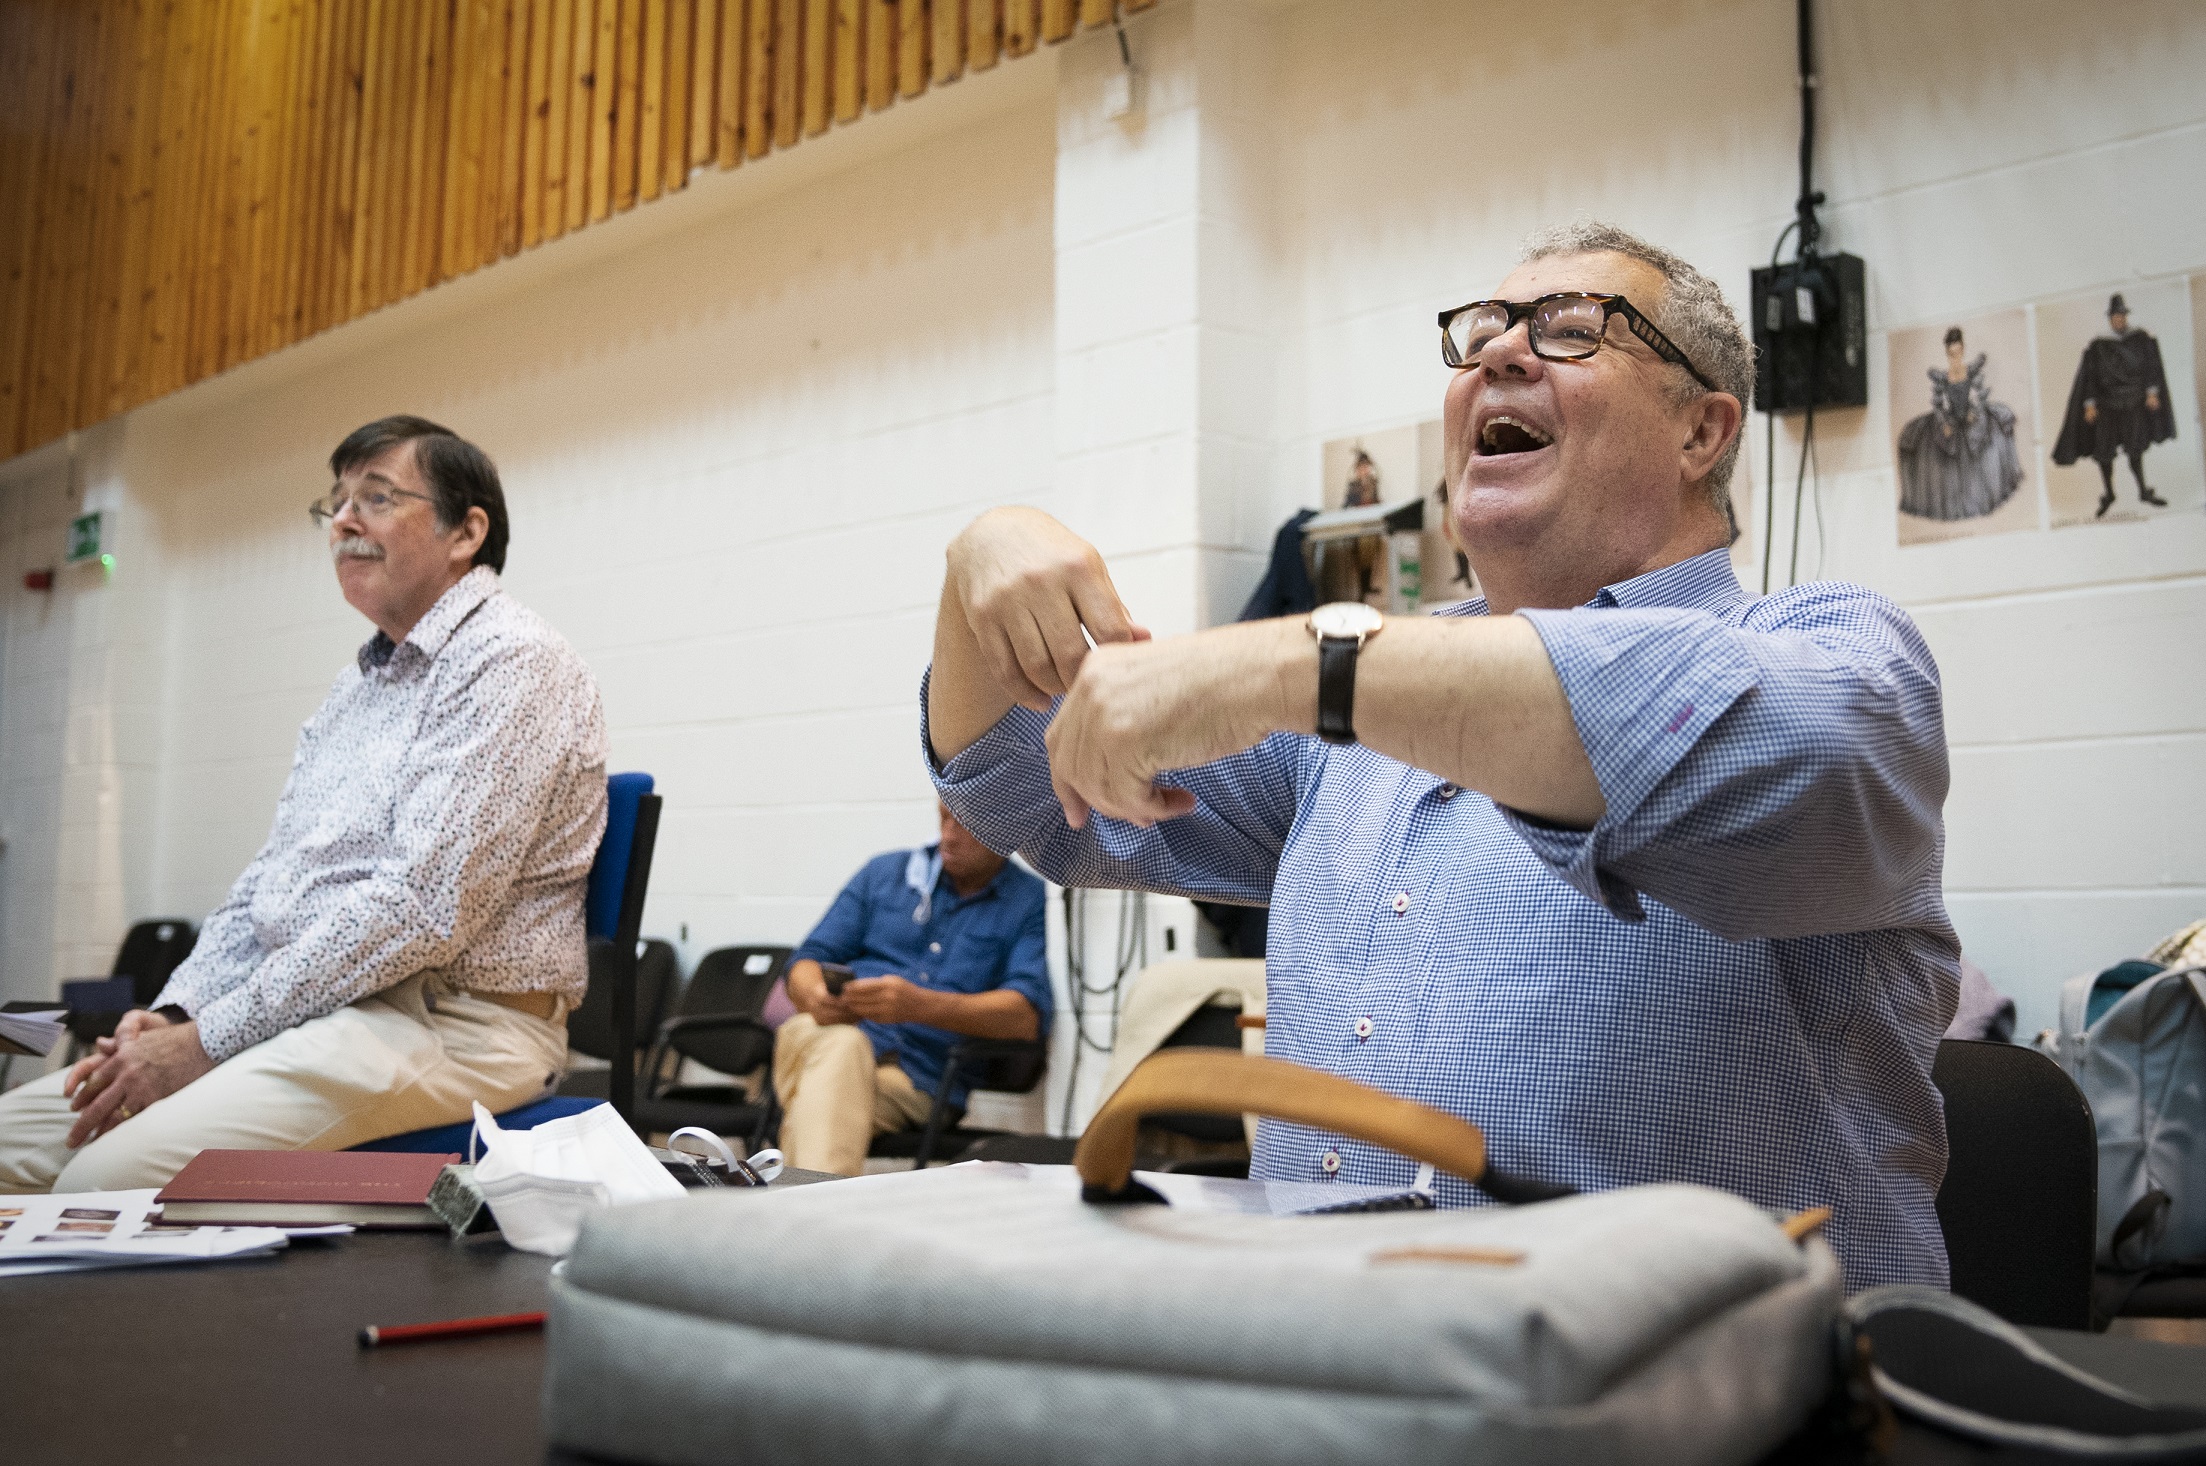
x: 355, y: 547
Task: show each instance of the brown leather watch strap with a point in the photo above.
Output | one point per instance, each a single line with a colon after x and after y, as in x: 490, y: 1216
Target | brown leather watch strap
x: 1221, y: 1082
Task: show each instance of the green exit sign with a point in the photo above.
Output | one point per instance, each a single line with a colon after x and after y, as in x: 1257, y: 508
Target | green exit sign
x: 84, y: 538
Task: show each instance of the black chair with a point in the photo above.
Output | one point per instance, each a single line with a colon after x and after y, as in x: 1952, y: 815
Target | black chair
x: 590, y: 1027
x: 1008, y: 1065
x: 719, y: 1023
x: 620, y: 878
x: 2019, y: 1207
x: 150, y: 951
x: 1208, y: 1027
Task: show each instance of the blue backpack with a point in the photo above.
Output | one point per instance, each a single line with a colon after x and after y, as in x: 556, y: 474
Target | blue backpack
x: 2134, y: 1039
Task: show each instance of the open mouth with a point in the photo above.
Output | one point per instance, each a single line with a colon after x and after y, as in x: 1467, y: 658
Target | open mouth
x: 1504, y: 434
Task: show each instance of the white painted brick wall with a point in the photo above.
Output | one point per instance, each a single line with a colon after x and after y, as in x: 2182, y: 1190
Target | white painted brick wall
x: 738, y: 426
x: 1977, y: 155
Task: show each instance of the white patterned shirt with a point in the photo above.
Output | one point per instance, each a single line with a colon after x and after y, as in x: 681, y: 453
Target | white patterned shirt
x: 1738, y: 977
x: 444, y: 806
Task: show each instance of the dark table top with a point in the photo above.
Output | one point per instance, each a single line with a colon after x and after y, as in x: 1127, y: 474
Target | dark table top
x: 258, y: 1361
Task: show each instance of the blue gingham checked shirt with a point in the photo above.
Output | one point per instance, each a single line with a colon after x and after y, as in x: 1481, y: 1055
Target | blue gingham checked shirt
x: 1738, y: 977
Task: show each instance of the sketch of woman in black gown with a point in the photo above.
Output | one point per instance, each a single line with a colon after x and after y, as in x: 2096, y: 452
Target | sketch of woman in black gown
x: 1958, y: 460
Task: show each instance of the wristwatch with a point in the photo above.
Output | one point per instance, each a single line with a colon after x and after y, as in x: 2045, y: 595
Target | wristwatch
x: 1341, y: 629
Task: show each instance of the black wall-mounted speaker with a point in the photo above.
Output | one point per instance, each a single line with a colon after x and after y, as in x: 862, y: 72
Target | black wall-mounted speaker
x: 1811, y: 335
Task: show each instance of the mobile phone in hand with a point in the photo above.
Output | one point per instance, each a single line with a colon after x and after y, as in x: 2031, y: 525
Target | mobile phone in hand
x: 837, y: 975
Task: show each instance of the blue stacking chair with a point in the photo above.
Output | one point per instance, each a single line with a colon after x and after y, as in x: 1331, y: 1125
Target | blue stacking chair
x: 613, y: 911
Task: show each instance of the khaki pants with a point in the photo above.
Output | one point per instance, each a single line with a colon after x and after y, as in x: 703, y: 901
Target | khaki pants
x: 835, y: 1098
x: 412, y: 1056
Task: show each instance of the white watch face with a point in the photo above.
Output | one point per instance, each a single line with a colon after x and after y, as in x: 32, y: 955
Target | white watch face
x: 1346, y: 619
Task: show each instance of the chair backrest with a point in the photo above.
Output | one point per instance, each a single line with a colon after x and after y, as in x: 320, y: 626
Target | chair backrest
x: 733, y: 980
x: 658, y: 979
x: 590, y: 1027
x: 1011, y: 1066
x: 152, y: 950
x: 620, y: 878
x: 1212, y: 1026
x: 2019, y: 1207
x: 624, y: 803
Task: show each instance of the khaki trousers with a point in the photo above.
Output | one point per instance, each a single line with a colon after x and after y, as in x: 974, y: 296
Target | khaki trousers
x: 412, y: 1056
x: 835, y: 1098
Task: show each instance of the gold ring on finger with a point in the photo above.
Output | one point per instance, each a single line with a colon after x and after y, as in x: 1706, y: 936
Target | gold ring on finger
x: 124, y: 1111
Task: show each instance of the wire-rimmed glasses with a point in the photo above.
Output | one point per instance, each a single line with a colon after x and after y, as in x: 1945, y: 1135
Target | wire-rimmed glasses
x: 368, y: 503
x: 1569, y: 325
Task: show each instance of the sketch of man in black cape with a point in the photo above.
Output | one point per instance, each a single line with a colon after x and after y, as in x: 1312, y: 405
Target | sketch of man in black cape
x: 2119, y: 404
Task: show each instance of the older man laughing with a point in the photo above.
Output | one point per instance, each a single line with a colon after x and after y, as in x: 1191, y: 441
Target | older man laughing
x: 1635, y: 870
x: 410, y: 937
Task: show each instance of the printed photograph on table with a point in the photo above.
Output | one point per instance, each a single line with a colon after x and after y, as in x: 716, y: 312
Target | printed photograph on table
x: 2117, y: 374
x: 1965, y: 431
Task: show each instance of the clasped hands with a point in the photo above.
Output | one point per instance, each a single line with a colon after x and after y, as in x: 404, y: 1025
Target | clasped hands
x: 1034, y: 595
x: 148, y: 1059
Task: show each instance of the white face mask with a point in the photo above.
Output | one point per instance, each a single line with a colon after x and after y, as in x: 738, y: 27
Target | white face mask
x: 541, y: 1184
x: 922, y: 868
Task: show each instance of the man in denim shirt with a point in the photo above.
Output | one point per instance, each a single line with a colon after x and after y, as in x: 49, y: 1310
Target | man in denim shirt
x: 941, y: 941
x: 1636, y: 871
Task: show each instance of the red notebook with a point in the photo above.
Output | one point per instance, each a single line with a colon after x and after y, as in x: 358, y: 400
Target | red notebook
x: 304, y: 1188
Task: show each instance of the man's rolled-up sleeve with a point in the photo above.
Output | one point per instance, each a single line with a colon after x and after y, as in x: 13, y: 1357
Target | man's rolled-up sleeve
x: 1026, y: 970
x: 1781, y: 778
x: 1227, y: 850
x: 473, y: 791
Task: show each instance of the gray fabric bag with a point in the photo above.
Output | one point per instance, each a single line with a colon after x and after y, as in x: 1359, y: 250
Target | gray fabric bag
x: 2142, y: 1066
x: 1010, y: 1314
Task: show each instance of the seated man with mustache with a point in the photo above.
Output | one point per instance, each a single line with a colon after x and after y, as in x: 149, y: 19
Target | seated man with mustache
x: 410, y: 938
x: 1636, y: 871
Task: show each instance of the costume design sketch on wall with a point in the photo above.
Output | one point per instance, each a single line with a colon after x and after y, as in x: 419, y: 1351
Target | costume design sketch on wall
x: 1389, y: 466
x: 1961, y: 394
x: 2121, y: 372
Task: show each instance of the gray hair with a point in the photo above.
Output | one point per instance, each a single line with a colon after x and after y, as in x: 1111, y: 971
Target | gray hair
x: 1692, y: 313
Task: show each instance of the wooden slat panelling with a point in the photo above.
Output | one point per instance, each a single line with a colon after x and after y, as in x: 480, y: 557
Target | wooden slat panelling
x: 681, y: 29
x: 189, y: 184
x: 1022, y: 26
x: 651, y: 119
x: 727, y: 106
x: 819, y: 35
x: 880, y: 51
x: 788, y: 66
x: 912, y: 26
x: 704, y: 73
x: 948, y: 39
x: 983, y: 33
x: 758, y: 77
x: 850, y: 60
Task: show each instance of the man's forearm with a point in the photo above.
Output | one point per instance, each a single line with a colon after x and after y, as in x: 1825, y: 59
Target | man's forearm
x: 1473, y: 700
x: 964, y: 699
x: 998, y: 1014
x: 1476, y: 701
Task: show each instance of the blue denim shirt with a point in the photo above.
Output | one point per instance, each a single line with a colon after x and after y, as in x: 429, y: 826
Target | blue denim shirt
x: 1738, y: 977
x: 951, y: 943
